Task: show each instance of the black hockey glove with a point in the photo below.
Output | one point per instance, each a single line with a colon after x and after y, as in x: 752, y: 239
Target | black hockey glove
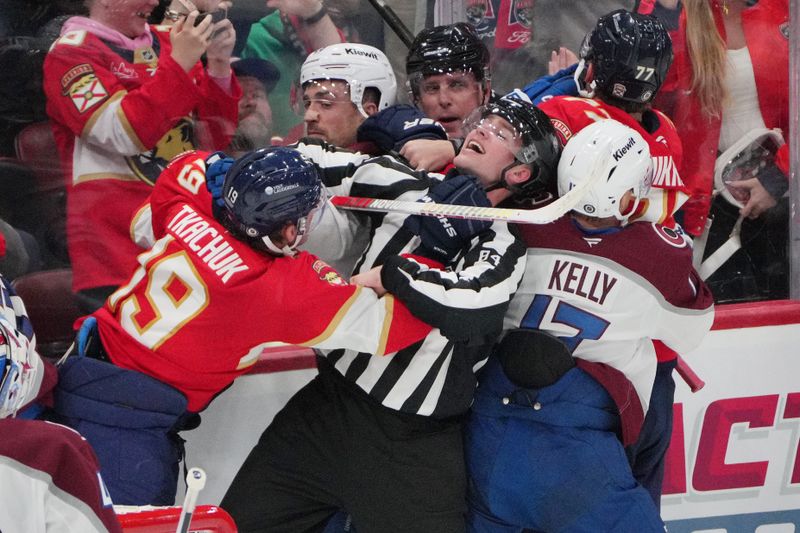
x: 391, y: 128
x: 443, y: 238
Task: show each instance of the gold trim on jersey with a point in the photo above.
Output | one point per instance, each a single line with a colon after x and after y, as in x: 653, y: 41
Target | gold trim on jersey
x: 388, y: 302
x: 335, y: 321
x: 126, y: 125
x: 92, y: 120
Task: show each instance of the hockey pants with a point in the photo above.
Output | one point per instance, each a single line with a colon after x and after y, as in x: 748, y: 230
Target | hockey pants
x: 131, y: 420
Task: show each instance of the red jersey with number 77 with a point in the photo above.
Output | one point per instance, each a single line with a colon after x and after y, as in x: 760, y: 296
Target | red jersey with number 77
x: 203, y: 305
x: 570, y: 114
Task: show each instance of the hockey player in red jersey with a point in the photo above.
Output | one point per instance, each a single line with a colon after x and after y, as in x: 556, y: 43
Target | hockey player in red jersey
x: 623, y: 62
x: 50, y: 476
x: 211, y: 263
x: 124, y: 99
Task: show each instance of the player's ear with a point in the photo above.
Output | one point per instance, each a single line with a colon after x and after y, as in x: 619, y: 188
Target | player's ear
x: 370, y: 108
x: 287, y: 234
x: 518, y: 174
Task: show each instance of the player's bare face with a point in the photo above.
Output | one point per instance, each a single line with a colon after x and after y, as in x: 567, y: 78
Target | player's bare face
x: 488, y: 149
x: 126, y: 16
x: 450, y: 98
x: 329, y: 113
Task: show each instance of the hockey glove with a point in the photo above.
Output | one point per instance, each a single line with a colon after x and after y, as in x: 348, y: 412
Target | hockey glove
x: 443, y: 238
x: 562, y: 83
x: 391, y: 128
x: 217, y: 165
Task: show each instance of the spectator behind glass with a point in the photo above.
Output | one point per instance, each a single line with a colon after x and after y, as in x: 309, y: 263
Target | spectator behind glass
x: 730, y: 78
x: 124, y: 99
x: 285, y: 37
x: 257, y: 77
x: 448, y: 78
x: 342, y: 85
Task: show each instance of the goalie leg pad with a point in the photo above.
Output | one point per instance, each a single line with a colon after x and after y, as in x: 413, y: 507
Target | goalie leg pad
x: 131, y: 420
x: 532, y: 358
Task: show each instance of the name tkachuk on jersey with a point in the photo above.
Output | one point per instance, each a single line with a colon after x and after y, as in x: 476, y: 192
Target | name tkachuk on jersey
x: 172, y: 320
x: 571, y: 114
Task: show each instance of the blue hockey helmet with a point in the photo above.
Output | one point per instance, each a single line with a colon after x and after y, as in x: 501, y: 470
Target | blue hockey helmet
x: 630, y: 56
x: 268, y: 188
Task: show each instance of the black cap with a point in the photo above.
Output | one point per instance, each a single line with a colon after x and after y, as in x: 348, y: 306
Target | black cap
x: 260, y: 69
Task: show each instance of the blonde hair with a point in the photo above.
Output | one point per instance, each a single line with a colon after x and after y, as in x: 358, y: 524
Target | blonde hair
x: 708, y: 55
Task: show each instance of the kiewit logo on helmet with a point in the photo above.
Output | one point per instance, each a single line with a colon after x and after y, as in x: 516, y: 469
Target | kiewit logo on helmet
x: 354, y: 51
x: 624, y: 150
x: 280, y: 188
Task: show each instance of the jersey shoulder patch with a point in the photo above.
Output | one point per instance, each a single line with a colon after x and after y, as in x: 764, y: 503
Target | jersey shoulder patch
x: 670, y: 236
x: 72, y: 38
x: 327, y: 273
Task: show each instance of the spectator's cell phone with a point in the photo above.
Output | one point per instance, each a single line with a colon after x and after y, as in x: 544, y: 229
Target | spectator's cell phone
x: 216, y: 16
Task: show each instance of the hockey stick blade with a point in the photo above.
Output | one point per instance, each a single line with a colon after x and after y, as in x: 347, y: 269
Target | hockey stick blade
x: 542, y: 215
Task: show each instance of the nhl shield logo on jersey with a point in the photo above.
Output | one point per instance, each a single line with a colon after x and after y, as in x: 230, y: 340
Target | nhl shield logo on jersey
x: 326, y: 273
x: 784, y: 29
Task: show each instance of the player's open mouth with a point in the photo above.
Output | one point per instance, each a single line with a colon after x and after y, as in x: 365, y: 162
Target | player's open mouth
x: 475, y: 147
x: 143, y: 15
x: 447, y: 120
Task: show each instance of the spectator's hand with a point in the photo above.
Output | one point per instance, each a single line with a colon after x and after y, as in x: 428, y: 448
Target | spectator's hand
x: 372, y: 279
x: 443, y: 238
x: 300, y: 8
x: 561, y: 59
x: 189, y: 42
x: 220, y: 49
x: 425, y: 154
x: 225, y: 5
x: 562, y: 83
x: 759, y: 201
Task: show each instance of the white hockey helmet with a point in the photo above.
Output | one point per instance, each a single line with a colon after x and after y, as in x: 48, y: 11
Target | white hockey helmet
x: 19, y: 369
x: 616, y: 158
x: 360, y: 65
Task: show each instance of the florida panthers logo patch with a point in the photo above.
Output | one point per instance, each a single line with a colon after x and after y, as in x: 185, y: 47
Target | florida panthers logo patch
x: 326, y: 273
x: 670, y: 236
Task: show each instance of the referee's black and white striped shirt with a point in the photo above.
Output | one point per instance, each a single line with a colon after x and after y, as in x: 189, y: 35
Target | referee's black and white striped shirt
x: 435, y: 377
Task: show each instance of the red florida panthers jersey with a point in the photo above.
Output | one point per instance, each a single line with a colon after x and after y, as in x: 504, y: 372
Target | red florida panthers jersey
x: 202, y: 305
x: 570, y: 114
x: 119, y: 116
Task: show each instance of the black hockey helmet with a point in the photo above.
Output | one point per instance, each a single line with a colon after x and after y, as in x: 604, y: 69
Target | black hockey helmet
x: 444, y: 49
x: 630, y: 55
x: 539, y: 145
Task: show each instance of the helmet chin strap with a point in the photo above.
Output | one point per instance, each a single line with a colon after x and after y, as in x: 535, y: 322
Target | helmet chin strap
x: 587, y: 90
x: 289, y: 249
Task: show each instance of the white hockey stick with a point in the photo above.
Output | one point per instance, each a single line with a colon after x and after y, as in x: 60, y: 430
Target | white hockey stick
x: 195, y: 481
x: 542, y: 215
